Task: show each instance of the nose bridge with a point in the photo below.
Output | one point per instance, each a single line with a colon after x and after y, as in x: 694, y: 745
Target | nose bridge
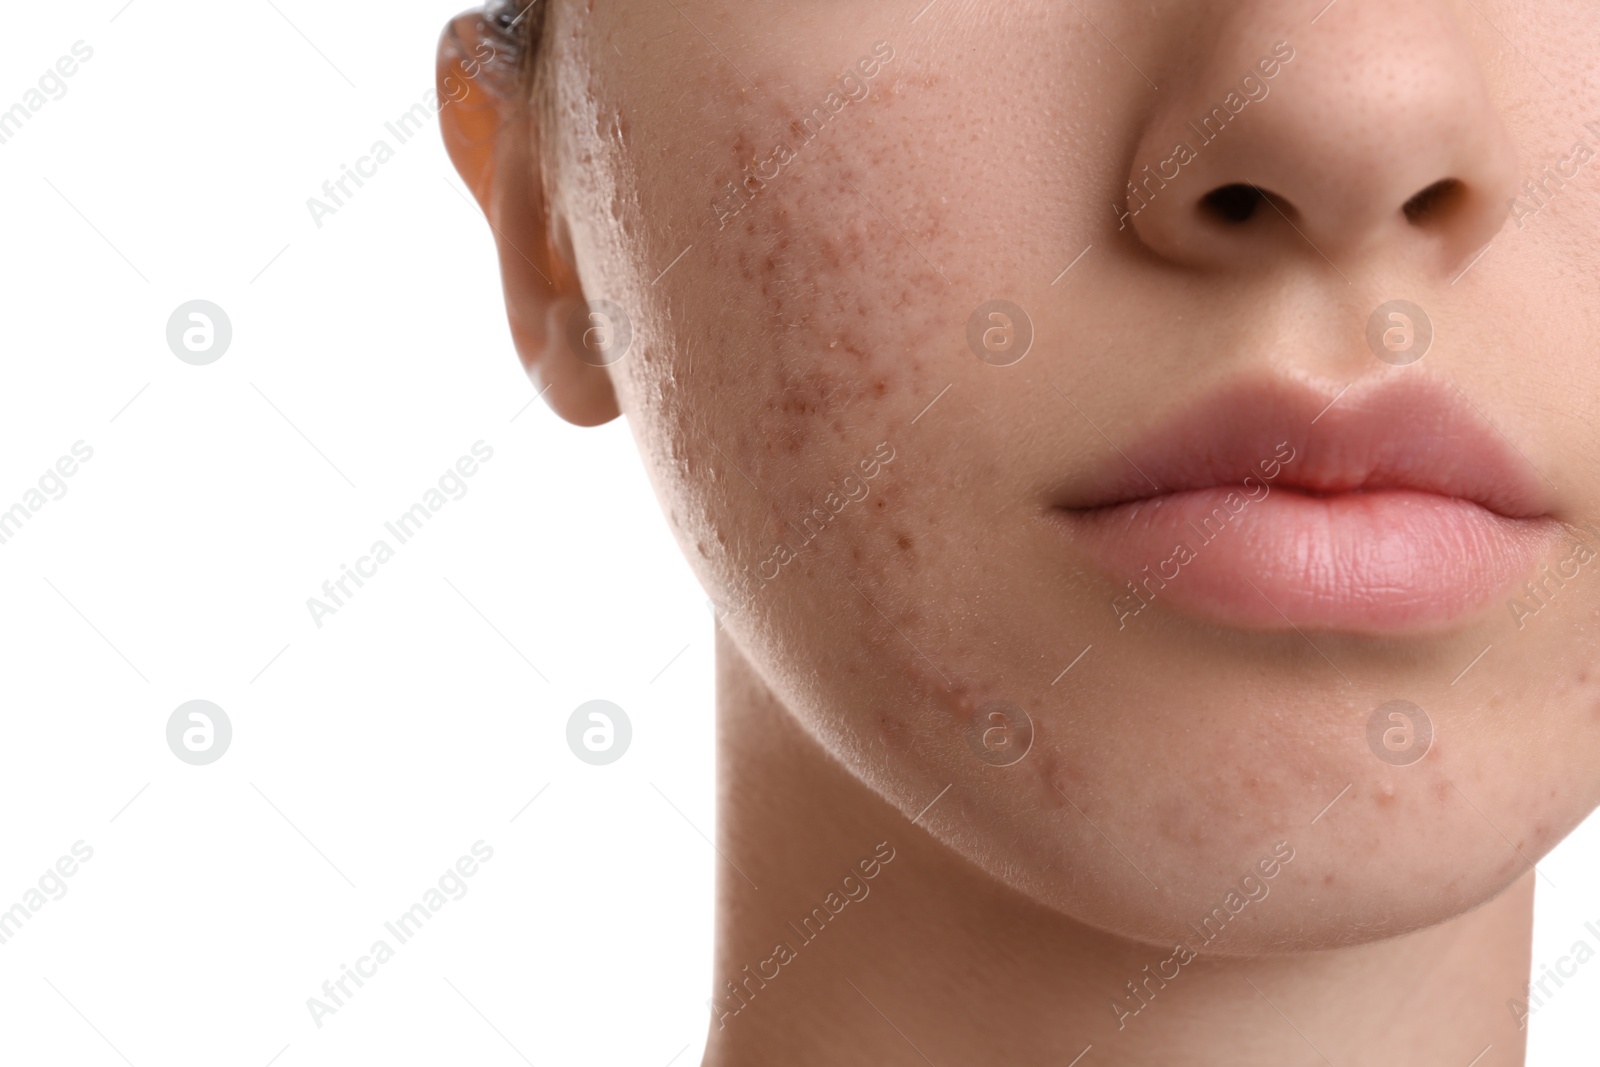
x: 1372, y: 126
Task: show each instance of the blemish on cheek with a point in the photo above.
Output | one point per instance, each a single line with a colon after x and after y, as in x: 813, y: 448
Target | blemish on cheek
x: 962, y: 704
x: 1178, y: 822
x: 1063, y: 781
x: 1385, y: 796
x: 896, y: 733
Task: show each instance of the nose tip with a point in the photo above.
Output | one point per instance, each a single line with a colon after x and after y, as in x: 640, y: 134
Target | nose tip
x: 1342, y: 146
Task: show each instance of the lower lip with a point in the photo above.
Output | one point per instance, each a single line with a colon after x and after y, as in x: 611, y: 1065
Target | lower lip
x: 1377, y: 562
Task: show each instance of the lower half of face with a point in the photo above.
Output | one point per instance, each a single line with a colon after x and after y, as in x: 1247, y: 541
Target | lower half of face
x: 1006, y: 463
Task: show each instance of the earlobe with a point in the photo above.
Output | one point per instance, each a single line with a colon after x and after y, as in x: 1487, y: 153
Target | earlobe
x: 578, y: 389
x: 491, y: 134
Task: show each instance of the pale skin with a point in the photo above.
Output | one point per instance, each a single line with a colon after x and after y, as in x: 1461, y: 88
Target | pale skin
x: 788, y: 342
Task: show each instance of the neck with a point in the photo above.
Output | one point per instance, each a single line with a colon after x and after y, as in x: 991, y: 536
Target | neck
x: 921, y: 958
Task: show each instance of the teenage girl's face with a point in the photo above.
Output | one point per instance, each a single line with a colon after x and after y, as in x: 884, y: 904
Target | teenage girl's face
x: 1156, y: 422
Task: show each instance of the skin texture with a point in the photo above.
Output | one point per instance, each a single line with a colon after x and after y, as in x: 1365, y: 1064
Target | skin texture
x: 787, y: 344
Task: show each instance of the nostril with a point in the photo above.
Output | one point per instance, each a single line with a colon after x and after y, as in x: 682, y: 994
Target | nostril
x: 1232, y: 203
x: 1434, y: 203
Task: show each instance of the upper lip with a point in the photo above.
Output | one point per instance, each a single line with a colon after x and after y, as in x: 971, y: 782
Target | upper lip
x: 1414, y: 435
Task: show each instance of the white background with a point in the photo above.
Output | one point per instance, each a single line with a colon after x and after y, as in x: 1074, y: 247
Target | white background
x: 368, y: 754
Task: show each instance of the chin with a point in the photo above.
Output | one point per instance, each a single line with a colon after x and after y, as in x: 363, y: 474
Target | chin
x: 1242, y: 813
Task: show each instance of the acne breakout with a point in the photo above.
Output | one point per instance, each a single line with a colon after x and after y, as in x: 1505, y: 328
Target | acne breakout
x: 853, y: 86
x: 852, y: 490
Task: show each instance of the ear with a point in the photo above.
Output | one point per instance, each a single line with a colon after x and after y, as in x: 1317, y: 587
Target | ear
x: 492, y: 135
